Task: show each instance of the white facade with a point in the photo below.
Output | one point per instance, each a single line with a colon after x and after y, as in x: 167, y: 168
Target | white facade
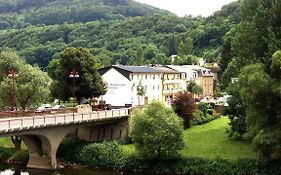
x: 122, y: 90
x: 152, y: 84
x: 118, y: 88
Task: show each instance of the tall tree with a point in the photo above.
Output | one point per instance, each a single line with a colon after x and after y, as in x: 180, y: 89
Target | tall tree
x: 88, y: 85
x: 172, y: 45
x: 185, y: 47
x: 226, y: 55
x: 139, y: 57
x: 32, y: 86
x: 261, y: 93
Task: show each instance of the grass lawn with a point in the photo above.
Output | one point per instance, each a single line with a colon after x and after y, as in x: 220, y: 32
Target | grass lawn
x: 6, y: 142
x: 210, y: 141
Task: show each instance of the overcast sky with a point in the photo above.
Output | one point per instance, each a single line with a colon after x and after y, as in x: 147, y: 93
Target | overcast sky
x: 188, y: 7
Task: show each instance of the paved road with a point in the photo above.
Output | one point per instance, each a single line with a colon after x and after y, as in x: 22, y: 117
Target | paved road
x: 8, y: 125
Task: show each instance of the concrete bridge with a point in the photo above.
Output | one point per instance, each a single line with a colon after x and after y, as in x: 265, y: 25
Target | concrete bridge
x: 43, y: 134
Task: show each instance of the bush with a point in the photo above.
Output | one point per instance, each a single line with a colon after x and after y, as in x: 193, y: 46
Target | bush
x: 184, y: 106
x: 6, y: 153
x: 157, y: 131
x: 210, y: 111
x: 20, y: 156
x: 267, y: 142
x: 101, y: 155
x: 200, y: 118
x: 203, y: 107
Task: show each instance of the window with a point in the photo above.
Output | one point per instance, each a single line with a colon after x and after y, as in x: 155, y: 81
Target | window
x: 153, y: 77
x: 145, y: 76
x: 132, y: 77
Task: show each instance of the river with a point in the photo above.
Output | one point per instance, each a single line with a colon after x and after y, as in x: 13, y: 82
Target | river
x: 21, y: 170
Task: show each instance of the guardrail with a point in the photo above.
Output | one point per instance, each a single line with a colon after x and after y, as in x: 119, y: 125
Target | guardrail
x: 24, y: 123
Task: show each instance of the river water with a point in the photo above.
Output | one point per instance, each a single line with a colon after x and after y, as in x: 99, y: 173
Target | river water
x: 21, y: 170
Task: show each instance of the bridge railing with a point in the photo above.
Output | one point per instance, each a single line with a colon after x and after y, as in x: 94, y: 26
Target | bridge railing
x: 12, y: 124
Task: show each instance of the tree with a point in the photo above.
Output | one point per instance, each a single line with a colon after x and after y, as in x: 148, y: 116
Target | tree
x: 260, y: 91
x: 254, y: 42
x: 172, y: 45
x: 236, y: 112
x: 88, y: 85
x: 140, y: 91
x: 184, y: 106
x: 226, y: 55
x: 31, y: 87
x: 185, y: 47
x: 139, y: 57
x: 156, y: 131
x: 9, y: 60
x: 194, y: 88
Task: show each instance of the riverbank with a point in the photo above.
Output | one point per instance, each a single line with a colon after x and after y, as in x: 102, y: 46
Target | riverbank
x: 208, y: 150
x: 129, y: 162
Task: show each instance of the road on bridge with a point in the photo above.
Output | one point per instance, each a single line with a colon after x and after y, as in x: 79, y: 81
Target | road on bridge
x: 8, y: 125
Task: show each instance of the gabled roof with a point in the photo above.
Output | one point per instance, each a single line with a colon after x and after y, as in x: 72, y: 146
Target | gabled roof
x: 126, y: 70
x: 164, y: 69
x: 138, y: 69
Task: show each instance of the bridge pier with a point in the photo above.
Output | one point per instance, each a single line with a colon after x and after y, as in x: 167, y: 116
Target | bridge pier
x: 43, y: 147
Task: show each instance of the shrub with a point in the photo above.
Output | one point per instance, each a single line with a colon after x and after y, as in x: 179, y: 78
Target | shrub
x: 210, y: 111
x: 6, y: 153
x: 267, y: 142
x: 20, y: 156
x: 203, y: 107
x: 184, y: 106
x: 200, y: 118
x: 157, y: 131
x: 106, y: 155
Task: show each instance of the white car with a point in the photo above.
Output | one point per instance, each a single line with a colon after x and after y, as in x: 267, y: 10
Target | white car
x: 44, y: 108
x: 58, y: 107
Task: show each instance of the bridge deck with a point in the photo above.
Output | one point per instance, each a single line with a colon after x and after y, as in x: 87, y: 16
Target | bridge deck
x: 9, y: 125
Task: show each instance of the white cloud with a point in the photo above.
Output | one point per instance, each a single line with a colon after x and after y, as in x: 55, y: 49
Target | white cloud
x: 188, y: 7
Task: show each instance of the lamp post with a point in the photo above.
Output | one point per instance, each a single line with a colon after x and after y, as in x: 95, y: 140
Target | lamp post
x: 73, y: 74
x: 13, y: 74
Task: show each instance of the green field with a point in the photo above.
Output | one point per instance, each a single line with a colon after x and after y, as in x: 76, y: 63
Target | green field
x: 211, y: 141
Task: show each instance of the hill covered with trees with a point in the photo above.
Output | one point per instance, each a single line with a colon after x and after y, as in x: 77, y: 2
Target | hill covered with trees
x: 143, y: 39
x: 23, y: 13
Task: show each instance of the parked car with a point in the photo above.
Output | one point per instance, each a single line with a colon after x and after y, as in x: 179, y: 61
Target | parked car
x: 58, y: 107
x: 44, y: 108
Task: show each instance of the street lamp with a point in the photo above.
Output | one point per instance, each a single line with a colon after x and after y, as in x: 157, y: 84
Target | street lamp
x: 73, y: 74
x: 13, y: 74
